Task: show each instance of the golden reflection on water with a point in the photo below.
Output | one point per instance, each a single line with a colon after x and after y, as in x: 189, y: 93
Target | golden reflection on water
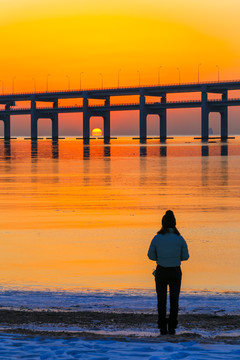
x: 75, y: 215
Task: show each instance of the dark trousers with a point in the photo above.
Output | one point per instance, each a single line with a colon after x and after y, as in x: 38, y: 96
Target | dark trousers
x: 168, y: 276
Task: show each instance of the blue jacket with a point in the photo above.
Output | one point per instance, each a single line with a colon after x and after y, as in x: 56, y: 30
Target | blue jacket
x: 168, y: 249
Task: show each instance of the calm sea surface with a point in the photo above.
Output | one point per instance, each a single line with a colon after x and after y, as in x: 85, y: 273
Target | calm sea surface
x: 75, y: 215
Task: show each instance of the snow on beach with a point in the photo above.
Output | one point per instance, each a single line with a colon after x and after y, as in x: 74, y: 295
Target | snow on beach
x: 129, y: 300
x: 21, y: 347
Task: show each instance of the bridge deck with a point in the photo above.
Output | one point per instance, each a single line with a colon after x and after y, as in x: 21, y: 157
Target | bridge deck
x: 152, y: 90
x: 121, y: 107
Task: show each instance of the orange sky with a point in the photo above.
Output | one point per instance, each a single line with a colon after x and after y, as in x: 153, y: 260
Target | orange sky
x: 66, y: 38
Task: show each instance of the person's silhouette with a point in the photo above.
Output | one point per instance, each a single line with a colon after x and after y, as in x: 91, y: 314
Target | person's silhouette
x: 168, y: 248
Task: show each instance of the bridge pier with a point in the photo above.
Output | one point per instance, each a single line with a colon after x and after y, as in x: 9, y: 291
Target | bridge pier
x: 163, y: 125
x: 6, y: 121
x: 143, y: 119
x: 7, y: 129
x: 106, y: 119
x: 54, y: 119
x: 86, y: 118
x: 204, y: 117
x: 163, y: 120
x: 34, y: 119
x: 224, y: 124
x: 224, y: 118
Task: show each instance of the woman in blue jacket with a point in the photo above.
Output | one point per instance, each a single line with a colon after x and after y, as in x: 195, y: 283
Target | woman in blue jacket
x: 168, y: 248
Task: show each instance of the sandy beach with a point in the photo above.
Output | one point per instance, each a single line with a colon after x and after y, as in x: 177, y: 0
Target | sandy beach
x: 97, y: 324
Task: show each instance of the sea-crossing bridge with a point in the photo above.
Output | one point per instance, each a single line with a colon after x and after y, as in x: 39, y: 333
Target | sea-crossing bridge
x: 145, y: 107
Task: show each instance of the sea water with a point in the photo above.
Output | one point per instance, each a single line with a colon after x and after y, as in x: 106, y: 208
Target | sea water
x: 77, y: 216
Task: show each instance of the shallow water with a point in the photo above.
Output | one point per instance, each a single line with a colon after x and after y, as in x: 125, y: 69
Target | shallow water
x: 75, y: 215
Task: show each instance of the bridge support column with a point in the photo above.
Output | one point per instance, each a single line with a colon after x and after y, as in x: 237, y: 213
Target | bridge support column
x: 205, y: 117
x: 7, y: 130
x: 6, y: 121
x: 86, y: 119
x: 55, y: 122
x: 143, y: 119
x: 34, y: 119
x: 163, y: 120
x: 224, y: 118
x: 106, y: 119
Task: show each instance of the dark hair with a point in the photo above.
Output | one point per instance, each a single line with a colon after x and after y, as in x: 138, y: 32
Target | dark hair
x: 168, y: 221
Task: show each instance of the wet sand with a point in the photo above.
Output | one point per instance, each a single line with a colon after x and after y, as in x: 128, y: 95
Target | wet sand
x: 90, y: 322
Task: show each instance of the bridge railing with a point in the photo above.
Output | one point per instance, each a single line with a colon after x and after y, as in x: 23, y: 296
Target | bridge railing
x: 74, y: 91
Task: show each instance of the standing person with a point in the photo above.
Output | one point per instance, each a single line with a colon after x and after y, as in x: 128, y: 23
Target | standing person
x: 168, y: 248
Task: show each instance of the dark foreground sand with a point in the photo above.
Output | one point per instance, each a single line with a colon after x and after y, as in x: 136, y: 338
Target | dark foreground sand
x: 89, y: 322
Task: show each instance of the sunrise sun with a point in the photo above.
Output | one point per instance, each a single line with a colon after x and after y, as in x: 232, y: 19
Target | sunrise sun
x: 96, y: 132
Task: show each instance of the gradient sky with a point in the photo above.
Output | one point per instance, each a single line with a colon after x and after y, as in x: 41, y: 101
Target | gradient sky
x: 64, y: 38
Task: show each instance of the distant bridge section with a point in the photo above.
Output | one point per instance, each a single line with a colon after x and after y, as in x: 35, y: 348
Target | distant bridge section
x: 145, y: 108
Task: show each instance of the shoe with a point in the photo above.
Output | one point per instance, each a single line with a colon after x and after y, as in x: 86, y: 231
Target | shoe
x: 171, y: 331
x: 172, y: 326
x: 163, y: 328
x: 163, y: 331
